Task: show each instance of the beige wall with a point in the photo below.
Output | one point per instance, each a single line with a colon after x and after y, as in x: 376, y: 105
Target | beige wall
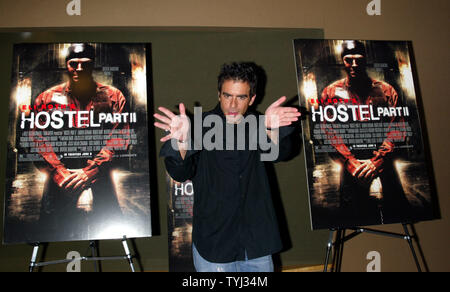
x: 424, y: 22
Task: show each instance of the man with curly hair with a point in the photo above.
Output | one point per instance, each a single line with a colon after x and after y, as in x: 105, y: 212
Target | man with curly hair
x: 234, y: 225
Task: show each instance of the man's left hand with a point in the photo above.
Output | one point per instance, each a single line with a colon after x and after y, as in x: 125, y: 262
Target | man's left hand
x: 278, y: 116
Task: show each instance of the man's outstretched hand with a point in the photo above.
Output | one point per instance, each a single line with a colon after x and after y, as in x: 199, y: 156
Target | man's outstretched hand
x: 279, y: 116
x: 176, y: 126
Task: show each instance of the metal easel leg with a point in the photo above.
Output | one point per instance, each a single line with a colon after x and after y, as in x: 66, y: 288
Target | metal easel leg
x: 329, y: 247
x: 340, y: 247
x: 33, y: 257
x: 127, y: 252
x: 408, y: 238
x: 93, y: 247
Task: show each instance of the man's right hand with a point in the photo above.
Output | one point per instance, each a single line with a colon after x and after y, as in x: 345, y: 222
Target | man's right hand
x: 362, y: 170
x: 76, y: 182
x: 176, y: 126
x: 366, y: 172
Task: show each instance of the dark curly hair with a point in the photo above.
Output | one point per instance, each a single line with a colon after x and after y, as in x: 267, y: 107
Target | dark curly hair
x: 243, y: 72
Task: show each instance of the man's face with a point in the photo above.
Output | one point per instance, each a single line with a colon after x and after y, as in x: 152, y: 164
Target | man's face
x: 235, y: 99
x: 355, y: 65
x: 80, y: 69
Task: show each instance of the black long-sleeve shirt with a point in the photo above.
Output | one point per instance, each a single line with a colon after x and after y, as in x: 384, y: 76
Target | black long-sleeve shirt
x: 233, y: 209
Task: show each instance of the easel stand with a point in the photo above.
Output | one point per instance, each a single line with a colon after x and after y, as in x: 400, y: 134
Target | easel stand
x: 93, y: 256
x: 341, y: 238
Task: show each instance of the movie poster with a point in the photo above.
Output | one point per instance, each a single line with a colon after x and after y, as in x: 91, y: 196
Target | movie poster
x: 78, y: 153
x: 363, y: 142
x: 180, y: 214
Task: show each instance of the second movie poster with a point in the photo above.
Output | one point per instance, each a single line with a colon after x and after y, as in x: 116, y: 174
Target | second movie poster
x: 78, y: 151
x: 363, y: 141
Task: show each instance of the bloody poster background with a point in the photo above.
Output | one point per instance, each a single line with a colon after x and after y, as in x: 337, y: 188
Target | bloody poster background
x: 179, y: 210
x: 117, y: 203
x: 351, y: 122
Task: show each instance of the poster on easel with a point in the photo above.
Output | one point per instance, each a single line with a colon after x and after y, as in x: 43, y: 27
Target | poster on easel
x: 180, y: 206
x: 364, y: 149
x: 77, y: 149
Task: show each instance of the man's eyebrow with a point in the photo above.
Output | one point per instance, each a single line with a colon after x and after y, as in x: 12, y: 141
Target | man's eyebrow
x: 229, y: 94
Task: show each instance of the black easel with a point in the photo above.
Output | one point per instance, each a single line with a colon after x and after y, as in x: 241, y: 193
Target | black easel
x: 341, y: 238
x: 93, y: 256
